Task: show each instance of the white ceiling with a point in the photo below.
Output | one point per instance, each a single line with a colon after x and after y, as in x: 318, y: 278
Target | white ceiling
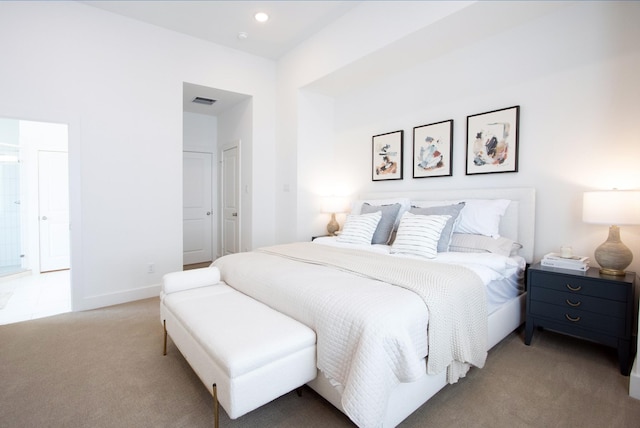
x: 290, y: 23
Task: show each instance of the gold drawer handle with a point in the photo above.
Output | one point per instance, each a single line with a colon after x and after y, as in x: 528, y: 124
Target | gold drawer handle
x: 570, y: 303
x: 576, y: 319
x: 578, y: 288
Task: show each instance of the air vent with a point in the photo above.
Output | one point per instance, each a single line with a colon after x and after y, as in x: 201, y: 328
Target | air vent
x: 202, y: 100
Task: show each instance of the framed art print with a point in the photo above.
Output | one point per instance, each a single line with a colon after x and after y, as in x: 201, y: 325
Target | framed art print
x: 492, y: 141
x: 433, y: 149
x: 387, y: 156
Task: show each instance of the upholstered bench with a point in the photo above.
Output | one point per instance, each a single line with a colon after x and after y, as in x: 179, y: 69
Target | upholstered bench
x: 248, y: 353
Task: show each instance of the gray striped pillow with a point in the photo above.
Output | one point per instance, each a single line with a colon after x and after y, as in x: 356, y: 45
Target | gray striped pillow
x: 359, y: 229
x: 419, y: 234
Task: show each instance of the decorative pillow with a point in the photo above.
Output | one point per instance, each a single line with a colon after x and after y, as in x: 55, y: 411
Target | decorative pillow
x: 469, y: 243
x: 405, y: 204
x: 384, y: 230
x: 479, y: 216
x: 359, y: 229
x: 451, y: 210
x: 419, y: 234
x: 482, y: 216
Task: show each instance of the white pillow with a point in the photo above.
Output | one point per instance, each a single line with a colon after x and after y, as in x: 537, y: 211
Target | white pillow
x: 419, y: 234
x: 479, y: 216
x: 359, y: 229
x: 482, y: 216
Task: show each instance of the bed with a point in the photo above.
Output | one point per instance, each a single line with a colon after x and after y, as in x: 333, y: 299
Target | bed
x: 400, y: 316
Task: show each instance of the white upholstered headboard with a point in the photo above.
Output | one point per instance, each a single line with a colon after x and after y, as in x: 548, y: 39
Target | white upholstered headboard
x: 518, y: 223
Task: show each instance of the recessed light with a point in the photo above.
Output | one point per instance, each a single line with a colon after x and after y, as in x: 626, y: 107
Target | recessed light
x: 261, y: 17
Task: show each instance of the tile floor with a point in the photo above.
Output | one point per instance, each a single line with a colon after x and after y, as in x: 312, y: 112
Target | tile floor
x: 35, y: 296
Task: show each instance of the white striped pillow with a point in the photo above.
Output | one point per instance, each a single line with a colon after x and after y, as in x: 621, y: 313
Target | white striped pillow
x: 359, y: 229
x: 419, y: 234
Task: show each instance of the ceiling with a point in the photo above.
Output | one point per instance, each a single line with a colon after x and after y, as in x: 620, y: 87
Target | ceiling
x: 289, y: 24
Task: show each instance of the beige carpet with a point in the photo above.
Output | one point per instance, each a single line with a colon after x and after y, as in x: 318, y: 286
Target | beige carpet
x: 105, y: 368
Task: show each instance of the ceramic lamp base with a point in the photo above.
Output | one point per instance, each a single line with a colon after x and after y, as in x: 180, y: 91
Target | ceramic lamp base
x: 612, y: 255
x: 333, y: 225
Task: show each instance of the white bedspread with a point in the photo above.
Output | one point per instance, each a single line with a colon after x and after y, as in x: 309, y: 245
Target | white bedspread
x: 370, y: 335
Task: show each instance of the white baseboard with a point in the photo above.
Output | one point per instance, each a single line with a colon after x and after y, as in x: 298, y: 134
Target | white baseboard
x: 634, y: 380
x: 100, y: 301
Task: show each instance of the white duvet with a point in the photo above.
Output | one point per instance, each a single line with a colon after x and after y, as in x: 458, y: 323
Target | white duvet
x: 370, y: 335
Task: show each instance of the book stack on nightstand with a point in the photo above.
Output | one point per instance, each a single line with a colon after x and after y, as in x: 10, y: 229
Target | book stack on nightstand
x: 557, y: 261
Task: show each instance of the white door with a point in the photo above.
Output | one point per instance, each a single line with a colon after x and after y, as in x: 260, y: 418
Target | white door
x: 230, y: 198
x: 53, y: 206
x: 197, y: 210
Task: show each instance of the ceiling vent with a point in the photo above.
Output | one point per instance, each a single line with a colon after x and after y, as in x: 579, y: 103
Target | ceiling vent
x: 202, y: 100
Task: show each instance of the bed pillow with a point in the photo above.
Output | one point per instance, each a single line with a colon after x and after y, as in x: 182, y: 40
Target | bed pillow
x: 359, y: 229
x: 451, y: 210
x: 469, y: 243
x: 405, y: 204
x: 384, y: 230
x: 482, y: 217
x: 419, y: 234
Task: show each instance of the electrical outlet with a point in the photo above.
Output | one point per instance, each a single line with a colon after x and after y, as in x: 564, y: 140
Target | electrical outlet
x: 151, y: 268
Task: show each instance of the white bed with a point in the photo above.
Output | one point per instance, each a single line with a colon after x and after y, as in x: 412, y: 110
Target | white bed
x: 294, y: 286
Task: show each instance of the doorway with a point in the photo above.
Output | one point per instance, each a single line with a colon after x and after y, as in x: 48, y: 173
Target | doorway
x: 36, y: 239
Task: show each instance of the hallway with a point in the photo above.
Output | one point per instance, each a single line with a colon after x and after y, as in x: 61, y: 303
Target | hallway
x: 25, y: 297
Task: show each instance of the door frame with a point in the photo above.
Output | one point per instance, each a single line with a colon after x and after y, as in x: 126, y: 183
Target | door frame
x: 237, y: 144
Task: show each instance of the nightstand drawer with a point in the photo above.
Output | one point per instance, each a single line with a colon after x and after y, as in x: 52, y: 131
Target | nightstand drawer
x: 575, y: 318
x: 582, y: 286
x: 569, y: 301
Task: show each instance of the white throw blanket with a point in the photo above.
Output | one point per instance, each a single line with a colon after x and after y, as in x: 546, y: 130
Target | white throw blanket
x: 364, y: 344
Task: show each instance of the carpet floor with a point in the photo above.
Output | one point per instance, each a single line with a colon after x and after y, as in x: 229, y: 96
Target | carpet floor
x: 104, y: 368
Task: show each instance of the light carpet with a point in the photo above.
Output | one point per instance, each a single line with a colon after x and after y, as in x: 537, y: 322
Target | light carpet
x: 104, y: 368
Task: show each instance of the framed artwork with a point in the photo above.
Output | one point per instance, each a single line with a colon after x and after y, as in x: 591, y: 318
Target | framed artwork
x: 433, y: 149
x: 387, y: 156
x: 492, y: 141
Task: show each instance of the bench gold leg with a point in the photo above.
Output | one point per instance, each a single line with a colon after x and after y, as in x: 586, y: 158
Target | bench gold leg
x: 215, y: 406
x: 164, y: 324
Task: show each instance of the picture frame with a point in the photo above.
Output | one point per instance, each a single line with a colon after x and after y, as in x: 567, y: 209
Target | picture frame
x: 492, y: 141
x: 387, y: 156
x: 433, y: 150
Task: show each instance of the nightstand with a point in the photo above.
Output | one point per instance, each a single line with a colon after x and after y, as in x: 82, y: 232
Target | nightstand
x: 583, y: 304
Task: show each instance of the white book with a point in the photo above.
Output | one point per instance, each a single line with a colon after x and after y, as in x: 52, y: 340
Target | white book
x: 564, y: 265
x: 572, y: 259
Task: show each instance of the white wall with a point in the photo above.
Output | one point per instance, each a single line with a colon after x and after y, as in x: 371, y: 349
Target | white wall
x: 573, y: 70
x: 118, y: 83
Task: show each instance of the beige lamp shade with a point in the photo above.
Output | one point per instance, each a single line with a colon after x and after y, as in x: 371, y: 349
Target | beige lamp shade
x: 615, y: 207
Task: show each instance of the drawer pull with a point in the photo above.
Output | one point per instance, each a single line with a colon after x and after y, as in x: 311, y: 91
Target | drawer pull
x: 578, y: 288
x: 576, y: 319
x: 570, y: 303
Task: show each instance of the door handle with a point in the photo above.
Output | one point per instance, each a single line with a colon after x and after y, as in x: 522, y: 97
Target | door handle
x: 234, y: 215
x: 44, y: 217
x: 208, y: 212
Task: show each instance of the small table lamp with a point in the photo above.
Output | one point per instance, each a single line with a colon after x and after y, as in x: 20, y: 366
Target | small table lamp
x: 614, y: 207
x: 333, y: 205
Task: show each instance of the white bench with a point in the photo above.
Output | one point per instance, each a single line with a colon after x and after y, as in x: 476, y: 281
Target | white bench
x: 248, y: 353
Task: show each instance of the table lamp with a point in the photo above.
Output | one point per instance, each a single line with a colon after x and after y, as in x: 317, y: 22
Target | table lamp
x: 333, y: 205
x: 613, y: 207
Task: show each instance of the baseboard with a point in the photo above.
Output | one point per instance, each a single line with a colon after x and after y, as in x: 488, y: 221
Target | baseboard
x: 110, y: 299
x: 634, y: 381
